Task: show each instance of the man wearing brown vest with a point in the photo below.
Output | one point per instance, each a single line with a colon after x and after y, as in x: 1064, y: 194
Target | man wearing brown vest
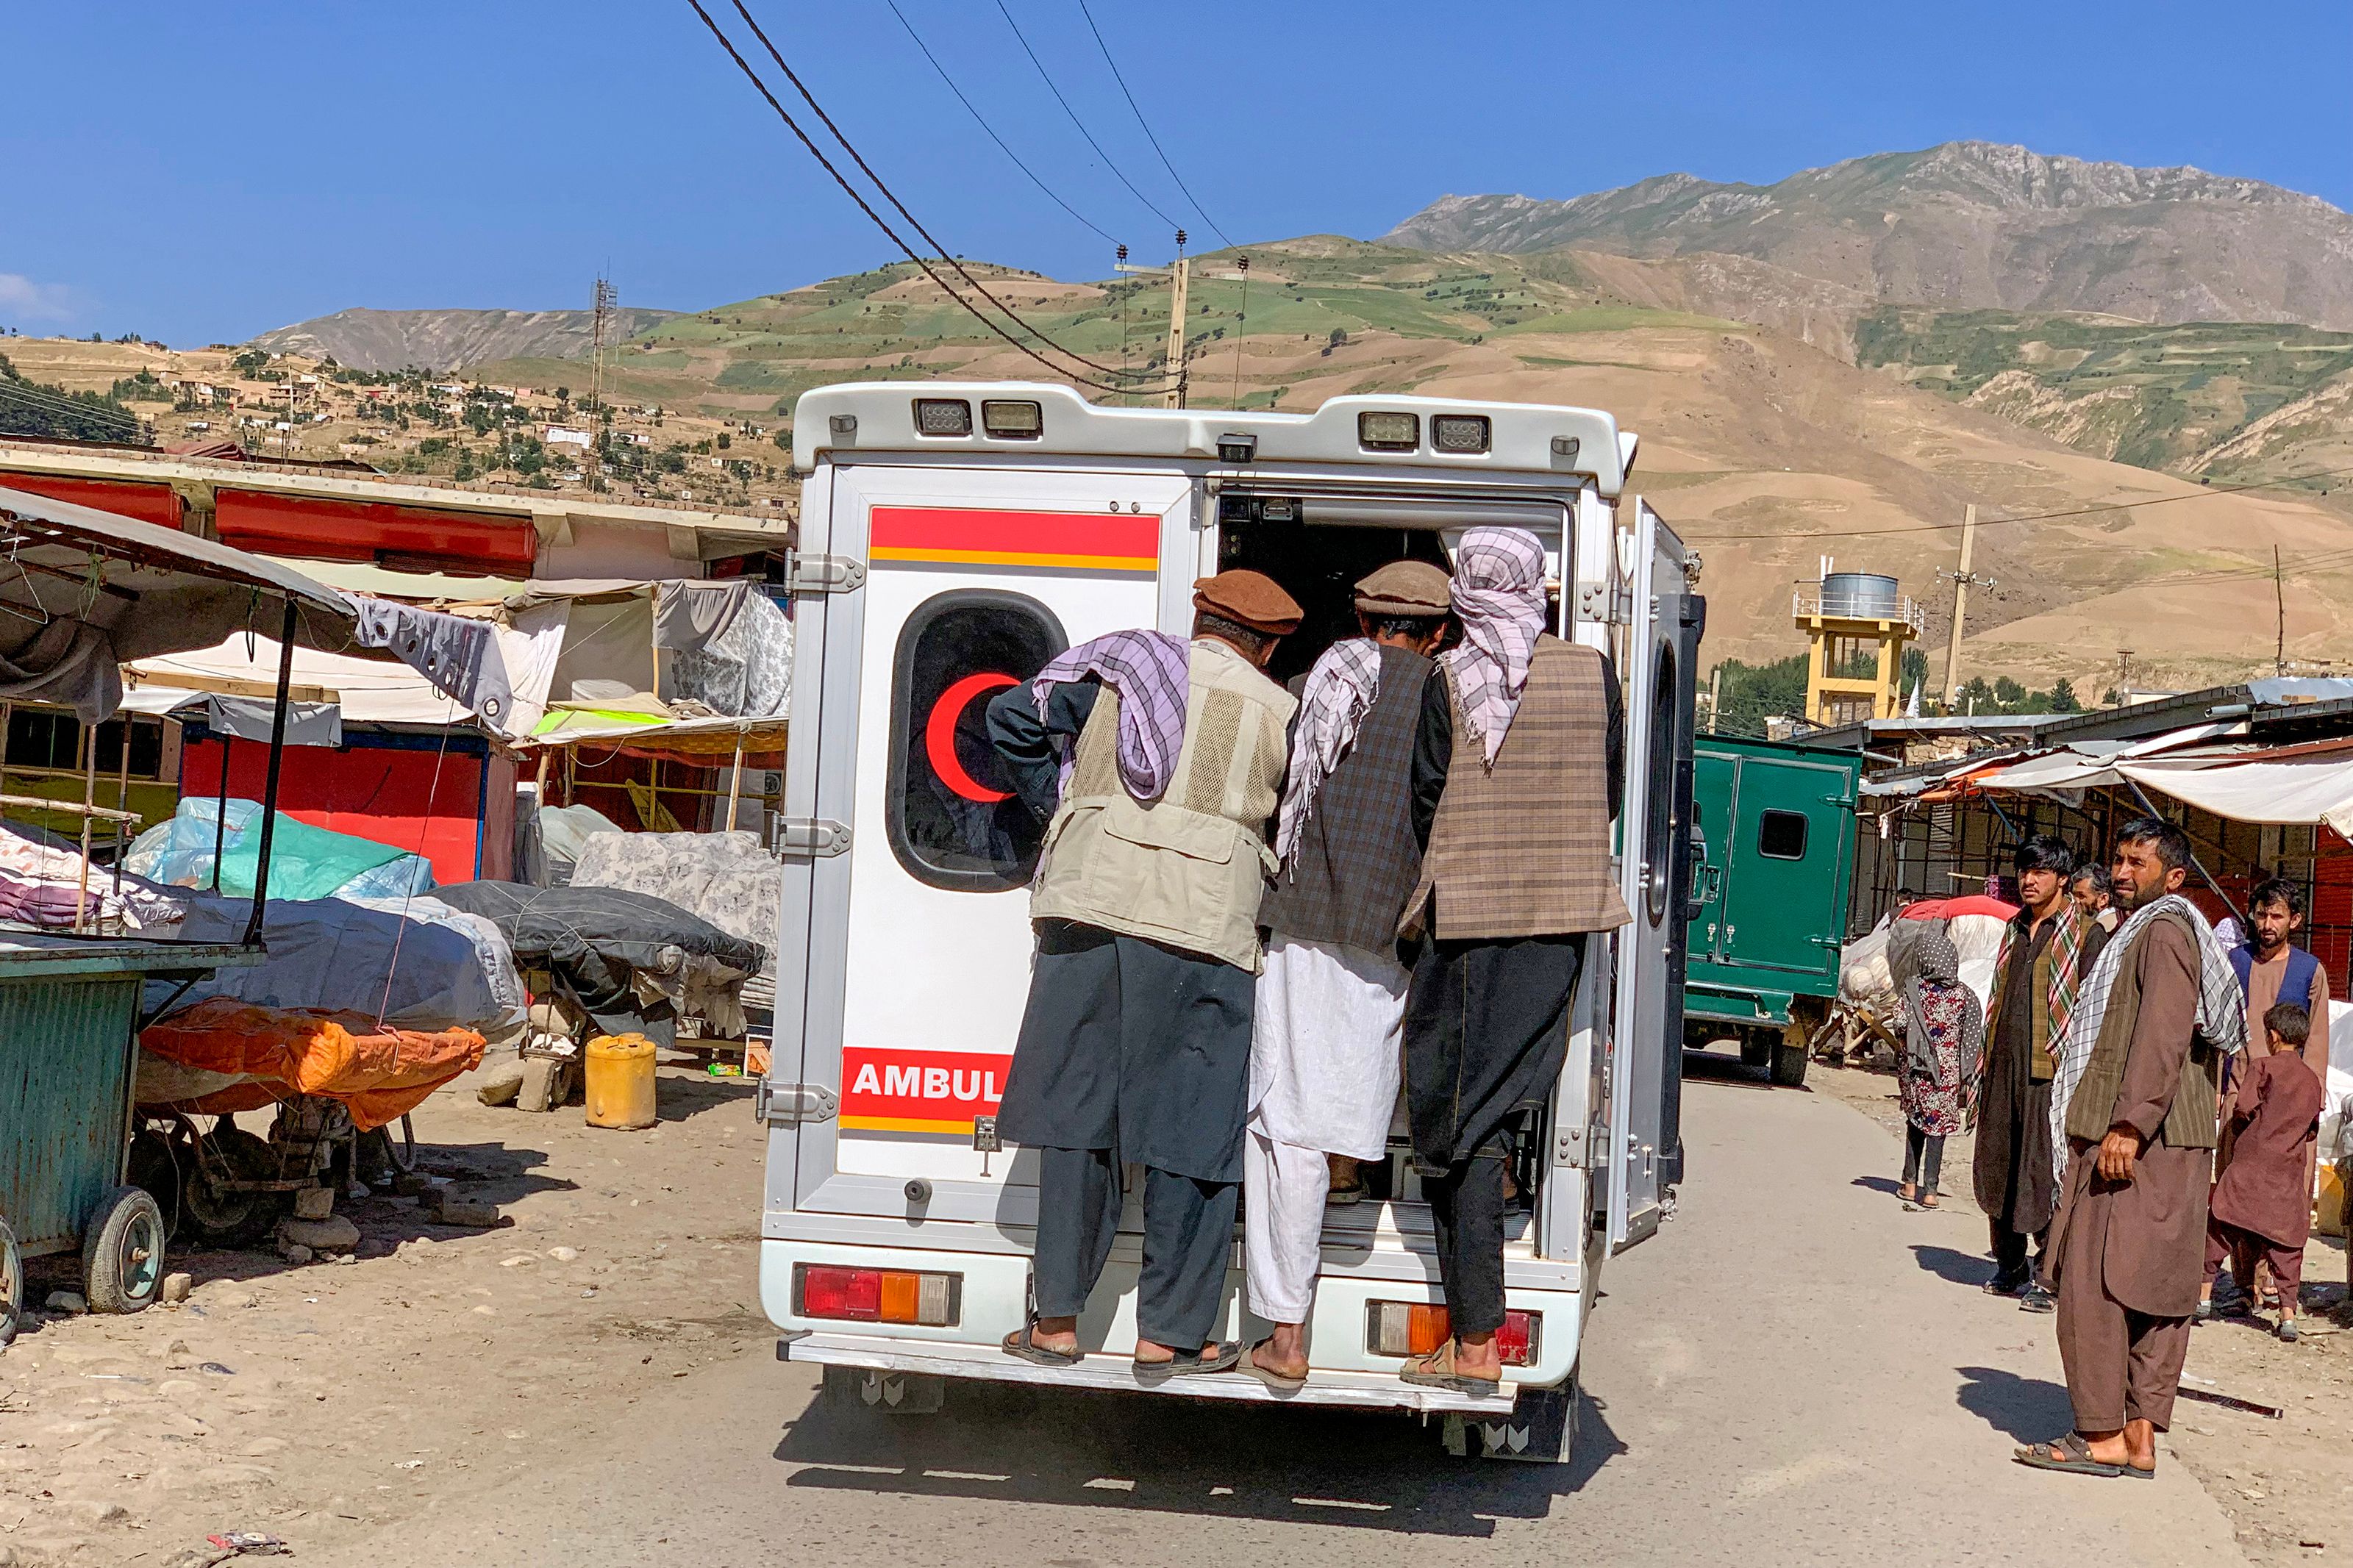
x: 1135, y: 1046
x: 1519, y: 768
x: 2135, y: 1095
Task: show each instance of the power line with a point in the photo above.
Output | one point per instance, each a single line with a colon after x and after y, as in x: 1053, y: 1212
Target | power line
x: 1073, y: 114
x: 876, y: 218
x: 2198, y: 494
x: 1002, y: 145
x: 929, y: 238
x: 98, y: 413
x: 1148, y: 136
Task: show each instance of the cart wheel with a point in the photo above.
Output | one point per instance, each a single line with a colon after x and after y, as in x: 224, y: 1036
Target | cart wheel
x: 12, y: 1283
x: 122, y: 1252
x: 222, y: 1218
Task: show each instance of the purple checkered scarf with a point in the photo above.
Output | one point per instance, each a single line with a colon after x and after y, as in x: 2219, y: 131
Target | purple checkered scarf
x: 1340, y: 689
x: 1149, y: 672
x: 1499, y: 598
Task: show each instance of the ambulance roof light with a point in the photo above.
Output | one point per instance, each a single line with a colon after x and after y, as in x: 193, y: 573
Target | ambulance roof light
x: 1236, y: 448
x: 1012, y: 420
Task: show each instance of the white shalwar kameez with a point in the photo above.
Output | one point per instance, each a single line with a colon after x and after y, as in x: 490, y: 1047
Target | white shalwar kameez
x: 1325, y: 1065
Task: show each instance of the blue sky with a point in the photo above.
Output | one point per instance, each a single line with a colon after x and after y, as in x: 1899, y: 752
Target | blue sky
x: 204, y: 174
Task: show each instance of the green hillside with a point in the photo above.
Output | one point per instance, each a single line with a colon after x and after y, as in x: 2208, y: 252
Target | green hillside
x: 2179, y: 398
x: 759, y: 354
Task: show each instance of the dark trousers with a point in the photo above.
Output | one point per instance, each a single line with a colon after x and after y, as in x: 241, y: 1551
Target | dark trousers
x: 1466, y: 1209
x: 1923, y: 1157
x: 1188, y: 1239
x: 2010, y: 1251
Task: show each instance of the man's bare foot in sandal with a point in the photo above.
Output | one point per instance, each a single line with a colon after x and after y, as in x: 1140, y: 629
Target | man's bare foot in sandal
x: 1469, y: 1364
x: 1283, y: 1352
x: 1060, y: 1335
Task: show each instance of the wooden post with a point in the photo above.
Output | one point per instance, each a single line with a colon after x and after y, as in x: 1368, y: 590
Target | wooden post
x: 735, y: 782
x: 88, y: 800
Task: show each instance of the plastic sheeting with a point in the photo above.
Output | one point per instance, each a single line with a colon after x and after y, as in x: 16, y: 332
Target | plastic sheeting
x: 419, y: 963
x: 744, y: 669
x: 725, y: 878
x: 305, y: 862
x: 382, y: 1074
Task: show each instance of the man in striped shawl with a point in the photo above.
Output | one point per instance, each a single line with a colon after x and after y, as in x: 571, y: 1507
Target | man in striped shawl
x: 2133, y: 1106
x: 2046, y: 952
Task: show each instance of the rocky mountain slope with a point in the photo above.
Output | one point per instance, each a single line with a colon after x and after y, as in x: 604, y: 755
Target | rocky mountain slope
x: 1967, y: 224
x: 445, y: 340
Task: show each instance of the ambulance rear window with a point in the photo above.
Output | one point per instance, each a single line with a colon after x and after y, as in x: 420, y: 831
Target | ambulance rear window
x: 954, y: 820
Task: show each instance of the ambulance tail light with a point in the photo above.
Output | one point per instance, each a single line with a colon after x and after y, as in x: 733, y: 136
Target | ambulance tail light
x: 877, y: 1295
x: 1413, y: 1327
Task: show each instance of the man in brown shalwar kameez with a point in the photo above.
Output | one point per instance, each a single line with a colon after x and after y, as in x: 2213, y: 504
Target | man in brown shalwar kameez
x: 2135, y: 1096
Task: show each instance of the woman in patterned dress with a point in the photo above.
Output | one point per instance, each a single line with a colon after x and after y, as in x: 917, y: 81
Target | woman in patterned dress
x: 1941, y: 1043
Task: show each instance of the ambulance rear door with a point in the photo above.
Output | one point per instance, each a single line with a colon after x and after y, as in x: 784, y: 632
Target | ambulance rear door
x: 906, y: 950
x: 1661, y: 625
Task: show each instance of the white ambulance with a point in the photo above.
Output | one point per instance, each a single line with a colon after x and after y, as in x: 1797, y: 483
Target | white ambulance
x: 954, y: 537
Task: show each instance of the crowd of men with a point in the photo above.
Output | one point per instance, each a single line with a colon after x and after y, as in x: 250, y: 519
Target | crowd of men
x: 1237, y: 1011
x: 2148, y: 1098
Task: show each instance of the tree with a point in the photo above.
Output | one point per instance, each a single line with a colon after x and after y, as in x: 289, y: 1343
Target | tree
x: 1749, y: 694
x: 2063, y: 697
x: 1976, y: 697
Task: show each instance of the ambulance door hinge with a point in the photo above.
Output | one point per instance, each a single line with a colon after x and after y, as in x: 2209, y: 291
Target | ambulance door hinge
x: 791, y: 1103
x: 1568, y: 1149
x: 806, y: 572
x: 811, y: 837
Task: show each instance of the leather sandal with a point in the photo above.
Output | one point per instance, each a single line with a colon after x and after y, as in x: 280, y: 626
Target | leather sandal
x: 1437, y: 1370
x: 2073, y: 1457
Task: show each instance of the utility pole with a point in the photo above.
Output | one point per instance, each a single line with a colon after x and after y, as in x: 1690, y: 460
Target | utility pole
x: 2279, y: 595
x: 1715, y: 694
x: 2123, y: 677
x: 603, y: 303
x: 1962, y: 579
x: 1180, y: 274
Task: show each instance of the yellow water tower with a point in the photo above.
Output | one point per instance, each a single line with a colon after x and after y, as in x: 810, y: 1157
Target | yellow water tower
x: 1856, y: 624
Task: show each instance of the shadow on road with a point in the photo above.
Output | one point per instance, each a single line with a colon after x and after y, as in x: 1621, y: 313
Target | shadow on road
x: 1887, y: 1184
x: 1207, y: 1459
x: 2027, y: 1408
x: 1956, y: 1268
x: 1713, y: 1067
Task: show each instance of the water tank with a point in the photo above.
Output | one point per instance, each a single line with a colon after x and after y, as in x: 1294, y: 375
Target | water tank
x: 1861, y: 596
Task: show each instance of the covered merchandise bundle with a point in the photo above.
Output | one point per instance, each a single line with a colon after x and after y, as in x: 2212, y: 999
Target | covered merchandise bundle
x: 223, y: 1055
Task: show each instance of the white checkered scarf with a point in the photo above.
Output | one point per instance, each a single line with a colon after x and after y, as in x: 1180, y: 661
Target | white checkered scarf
x: 1340, y: 689
x: 1499, y: 598
x: 2221, y: 1009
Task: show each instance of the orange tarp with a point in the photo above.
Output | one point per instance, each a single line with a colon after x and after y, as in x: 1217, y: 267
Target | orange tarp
x: 381, y: 1073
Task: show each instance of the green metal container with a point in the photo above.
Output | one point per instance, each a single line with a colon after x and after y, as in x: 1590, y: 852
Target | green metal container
x: 68, y: 1012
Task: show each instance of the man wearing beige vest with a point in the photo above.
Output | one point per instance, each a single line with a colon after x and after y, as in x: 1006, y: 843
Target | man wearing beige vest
x: 1136, y: 1046
x: 1519, y: 768
x: 2133, y: 1103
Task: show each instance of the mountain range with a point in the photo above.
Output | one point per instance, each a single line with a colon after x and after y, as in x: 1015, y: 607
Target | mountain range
x: 1965, y: 226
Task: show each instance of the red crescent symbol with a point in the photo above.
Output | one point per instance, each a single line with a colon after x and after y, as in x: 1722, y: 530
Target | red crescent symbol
x: 939, y: 735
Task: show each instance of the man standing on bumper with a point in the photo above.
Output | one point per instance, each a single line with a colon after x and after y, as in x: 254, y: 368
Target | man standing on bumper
x: 1331, y: 1005
x: 1135, y: 1046
x: 1519, y: 768
x: 2045, y: 954
x: 2134, y: 1098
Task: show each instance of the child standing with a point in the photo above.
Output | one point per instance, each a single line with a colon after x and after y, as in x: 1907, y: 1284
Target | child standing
x: 2262, y: 1207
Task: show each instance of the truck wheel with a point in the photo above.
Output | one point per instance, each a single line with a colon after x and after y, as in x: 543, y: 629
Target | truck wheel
x: 12, y: 1283
x: 1788, y: 1065
x: 886, y: 1392
x: 1541, y: 1428
x: 122, y: 1252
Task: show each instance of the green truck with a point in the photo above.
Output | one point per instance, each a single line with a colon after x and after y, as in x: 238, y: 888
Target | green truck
x: 1773, y: 860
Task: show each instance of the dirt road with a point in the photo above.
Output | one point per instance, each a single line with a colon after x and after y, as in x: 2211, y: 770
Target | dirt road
x: 1794, y: 1372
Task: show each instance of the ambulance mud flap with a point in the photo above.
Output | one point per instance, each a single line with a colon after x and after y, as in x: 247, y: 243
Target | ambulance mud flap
x: 891, y: 1392
x: 1541, y: 1428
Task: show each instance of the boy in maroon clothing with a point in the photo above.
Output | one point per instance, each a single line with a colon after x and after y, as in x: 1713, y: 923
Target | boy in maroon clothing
x: 2262, y: 1207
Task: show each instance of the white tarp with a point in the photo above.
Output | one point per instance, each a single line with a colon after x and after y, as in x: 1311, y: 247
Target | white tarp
x: 2306, y: 789
x: 369, y: 691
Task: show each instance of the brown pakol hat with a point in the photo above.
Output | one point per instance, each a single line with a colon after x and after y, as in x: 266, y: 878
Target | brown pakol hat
x: 1252, y: 598
x: 1406, y: 588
